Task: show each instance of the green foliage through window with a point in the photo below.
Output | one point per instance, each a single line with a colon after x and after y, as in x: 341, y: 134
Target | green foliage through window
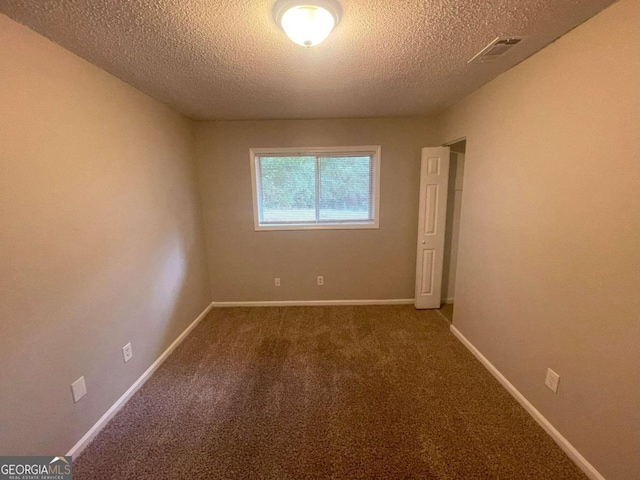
x: 315, y: 189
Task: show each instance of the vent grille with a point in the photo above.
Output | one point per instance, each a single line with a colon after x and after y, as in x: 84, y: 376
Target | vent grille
x: 496, y: 49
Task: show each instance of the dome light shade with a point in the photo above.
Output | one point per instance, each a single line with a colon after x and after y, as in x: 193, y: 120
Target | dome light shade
x: 307, y: 25
x: 307, y: 22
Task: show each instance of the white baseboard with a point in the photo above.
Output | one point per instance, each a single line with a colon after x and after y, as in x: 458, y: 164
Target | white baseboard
x: 100, y: 424
x: 306, y: 303
x: 569, y: 449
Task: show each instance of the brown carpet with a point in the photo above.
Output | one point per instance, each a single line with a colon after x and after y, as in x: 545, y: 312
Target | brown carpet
x: 323, y: 392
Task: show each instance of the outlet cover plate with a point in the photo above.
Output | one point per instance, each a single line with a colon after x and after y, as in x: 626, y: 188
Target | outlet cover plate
x: 552, y: 380
x: 127, y: 352
x: 79, y: 389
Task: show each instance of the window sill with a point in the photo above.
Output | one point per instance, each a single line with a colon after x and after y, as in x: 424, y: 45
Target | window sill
x: 324, y: 226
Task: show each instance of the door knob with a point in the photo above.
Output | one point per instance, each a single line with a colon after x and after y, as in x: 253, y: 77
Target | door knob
x: 424, y: 241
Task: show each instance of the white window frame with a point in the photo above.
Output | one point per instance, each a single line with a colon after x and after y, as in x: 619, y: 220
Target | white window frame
x: 366, y: 150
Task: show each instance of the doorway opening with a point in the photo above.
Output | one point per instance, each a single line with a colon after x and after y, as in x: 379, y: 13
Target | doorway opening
x: 452, y: 231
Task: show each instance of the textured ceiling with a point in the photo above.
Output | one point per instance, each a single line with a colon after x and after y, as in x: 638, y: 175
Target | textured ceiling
x: 214, y: 59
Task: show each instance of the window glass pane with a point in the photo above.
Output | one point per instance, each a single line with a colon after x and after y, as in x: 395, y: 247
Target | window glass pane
x: 288, y: 188
x: 345, y: 188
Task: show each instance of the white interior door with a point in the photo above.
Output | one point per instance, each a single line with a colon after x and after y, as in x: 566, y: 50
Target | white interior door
x: 434, y: 182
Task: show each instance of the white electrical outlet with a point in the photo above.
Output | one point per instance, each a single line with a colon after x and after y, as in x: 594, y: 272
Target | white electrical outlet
x: 277, y: 282
x: 127, y: 352
x: 320, y: 280
x: 552, y: 380
x: 79, y: 389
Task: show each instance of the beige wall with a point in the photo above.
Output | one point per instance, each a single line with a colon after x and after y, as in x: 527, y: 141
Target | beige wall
x: 548, y: 266
x: 356, y: 264
x: 100, y: 239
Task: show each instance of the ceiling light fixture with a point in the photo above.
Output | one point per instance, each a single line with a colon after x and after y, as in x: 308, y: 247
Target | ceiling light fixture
x: 307, y: 22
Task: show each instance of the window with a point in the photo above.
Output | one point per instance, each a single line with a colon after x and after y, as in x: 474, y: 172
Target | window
x: 313, y: 188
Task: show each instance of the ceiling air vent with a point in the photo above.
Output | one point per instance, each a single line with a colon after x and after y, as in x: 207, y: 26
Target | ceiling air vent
x: 495, y: 49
